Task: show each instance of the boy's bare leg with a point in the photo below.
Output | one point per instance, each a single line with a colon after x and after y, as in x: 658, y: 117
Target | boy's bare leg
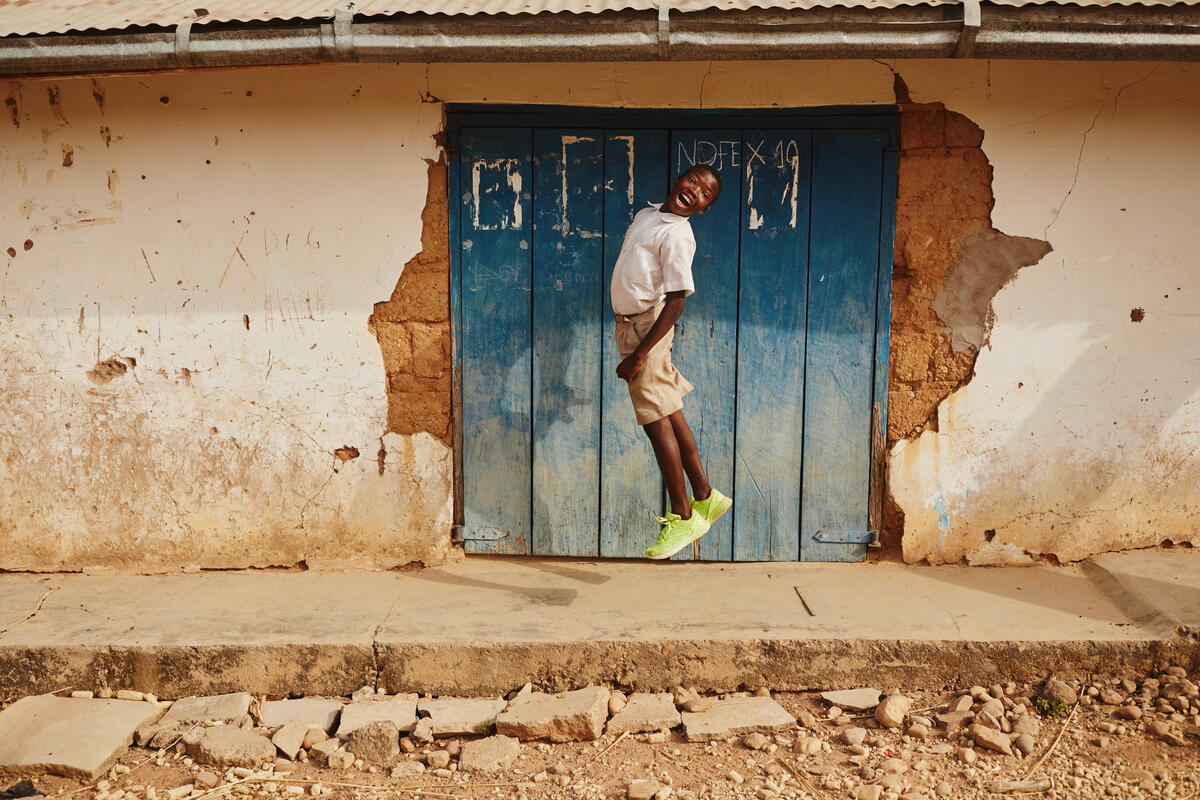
x: 666, y: 449
x: 690, y: 456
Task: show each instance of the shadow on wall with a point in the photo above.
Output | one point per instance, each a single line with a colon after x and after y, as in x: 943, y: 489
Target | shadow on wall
x: 1127, y: 471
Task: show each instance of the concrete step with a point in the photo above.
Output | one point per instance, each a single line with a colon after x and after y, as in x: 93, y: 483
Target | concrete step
x: 484, y: 626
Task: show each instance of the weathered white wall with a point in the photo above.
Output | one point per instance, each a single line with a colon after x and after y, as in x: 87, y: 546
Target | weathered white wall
x: 289, y: 199
x: 1080, y: 431
x: 293, y: 196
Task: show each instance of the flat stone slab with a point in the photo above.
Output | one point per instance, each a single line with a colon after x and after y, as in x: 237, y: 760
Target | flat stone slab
x: 461, y: 716
x: 355, y: 715
x: 77, y: 738
x: 566, y: 717
x: 645, y: 713
x: 228, y: 708
x: 488, y: 755
x: 735, y: 717
x: 856, y: 699
x: 229, y: 746
x: 305, y: 710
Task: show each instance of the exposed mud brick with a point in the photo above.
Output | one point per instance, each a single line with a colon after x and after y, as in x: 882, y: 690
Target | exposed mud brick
x: 229, y: 746
x: 735, y: 717
x: 489, y: 755
x: 646, y: 712
x: 566, y: 717
x: 461, y: 716
x: 403, y: 713
x: 305, y: 710
x: 961, y: 132
x: 430, y: 349
x: 413, y: 326
x: 922, y: 128
x: 78, y: 738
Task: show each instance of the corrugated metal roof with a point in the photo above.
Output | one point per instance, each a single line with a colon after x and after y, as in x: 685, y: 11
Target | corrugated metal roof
x: 25, y: 17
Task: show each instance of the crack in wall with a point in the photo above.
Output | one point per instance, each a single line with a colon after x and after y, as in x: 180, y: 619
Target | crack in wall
x: 1116, y: 98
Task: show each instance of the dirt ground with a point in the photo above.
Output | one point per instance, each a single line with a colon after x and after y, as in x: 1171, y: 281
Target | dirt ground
x: 1088, y: 762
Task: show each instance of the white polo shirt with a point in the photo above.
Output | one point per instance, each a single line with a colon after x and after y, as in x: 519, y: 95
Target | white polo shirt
x: 655, y: 258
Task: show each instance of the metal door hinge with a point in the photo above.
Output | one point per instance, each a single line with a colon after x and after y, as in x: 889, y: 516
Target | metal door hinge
x: 477, y: 533
x: 869, y: 538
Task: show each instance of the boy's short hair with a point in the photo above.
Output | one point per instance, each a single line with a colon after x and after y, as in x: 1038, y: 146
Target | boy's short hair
x: 716, y: 176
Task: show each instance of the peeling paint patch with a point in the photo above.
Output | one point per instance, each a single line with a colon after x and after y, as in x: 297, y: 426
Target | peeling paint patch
x: 345, y: 453
x: 985, y: 264
x: 111, y: 369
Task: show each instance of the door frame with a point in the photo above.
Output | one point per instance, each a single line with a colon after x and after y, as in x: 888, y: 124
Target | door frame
x: 877, y: 117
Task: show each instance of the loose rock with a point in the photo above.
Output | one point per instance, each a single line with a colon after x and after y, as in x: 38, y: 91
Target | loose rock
x: 645, y: 712
x: 377, y: 741
x: 461, y: 716
x: 891, y: 711
x: 1054, y: 689
x: 230, y: 746
x: 990, y: 738
x: 565, y: 717
x: 402, y: 712
x: 490, y: 754
x: 857, y: 699
x: 643, y: 789
x: 854, y: 736
x: 736, y: 716
x: 290, y: 738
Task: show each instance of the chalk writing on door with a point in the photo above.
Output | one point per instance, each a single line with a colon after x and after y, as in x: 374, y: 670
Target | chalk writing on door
x: 718, y: 155
x: 784, y: 156
x: 496, y: 192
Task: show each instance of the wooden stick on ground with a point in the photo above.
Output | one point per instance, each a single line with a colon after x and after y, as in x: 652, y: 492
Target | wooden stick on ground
x: 807, y: 607
x: 1054, y: 744
x: 611, y: 746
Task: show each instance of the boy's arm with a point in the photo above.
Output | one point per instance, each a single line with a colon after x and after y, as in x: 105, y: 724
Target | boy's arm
x: 633, y: 363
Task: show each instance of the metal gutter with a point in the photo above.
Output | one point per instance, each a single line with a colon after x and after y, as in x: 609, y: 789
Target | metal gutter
x: 1042, y: 32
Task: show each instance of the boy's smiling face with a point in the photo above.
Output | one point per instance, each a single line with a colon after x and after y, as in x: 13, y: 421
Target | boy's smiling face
x: 692, y: 193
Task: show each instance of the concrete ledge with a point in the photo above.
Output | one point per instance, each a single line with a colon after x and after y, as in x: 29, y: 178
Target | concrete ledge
x: 486, y: 626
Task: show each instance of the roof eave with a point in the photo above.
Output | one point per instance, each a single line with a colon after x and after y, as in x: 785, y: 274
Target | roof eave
x: 1030, y: 32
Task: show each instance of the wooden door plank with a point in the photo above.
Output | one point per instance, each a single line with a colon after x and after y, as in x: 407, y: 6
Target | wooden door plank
x: 844, y: 252
x: 568, y: 168
x: 706, y: 335
x: 772, y: 299
x: 495, y: 170
x: 631, y: 492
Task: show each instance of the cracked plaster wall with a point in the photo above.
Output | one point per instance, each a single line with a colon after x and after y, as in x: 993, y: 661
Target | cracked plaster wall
x: 188, y: 375
x: 1080, y: 430
x: 290, y: 200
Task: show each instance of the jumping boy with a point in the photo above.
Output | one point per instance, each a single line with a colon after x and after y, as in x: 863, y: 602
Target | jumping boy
x: 652, y: 277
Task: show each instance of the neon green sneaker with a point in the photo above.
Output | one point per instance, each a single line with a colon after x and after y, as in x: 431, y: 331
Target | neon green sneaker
x: 676, y: 534
x: 712, y: 506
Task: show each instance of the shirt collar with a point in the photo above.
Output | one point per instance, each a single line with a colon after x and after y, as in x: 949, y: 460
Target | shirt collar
x: 667, y: 216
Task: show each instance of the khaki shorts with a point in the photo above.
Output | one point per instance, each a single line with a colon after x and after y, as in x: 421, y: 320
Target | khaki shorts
x: 657, y: 391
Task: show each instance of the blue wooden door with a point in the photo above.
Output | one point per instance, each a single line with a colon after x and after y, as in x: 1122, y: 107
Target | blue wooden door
x: 781, y: 338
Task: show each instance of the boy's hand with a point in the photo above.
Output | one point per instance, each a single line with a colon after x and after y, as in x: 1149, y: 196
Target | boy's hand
x: 630, y: 366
